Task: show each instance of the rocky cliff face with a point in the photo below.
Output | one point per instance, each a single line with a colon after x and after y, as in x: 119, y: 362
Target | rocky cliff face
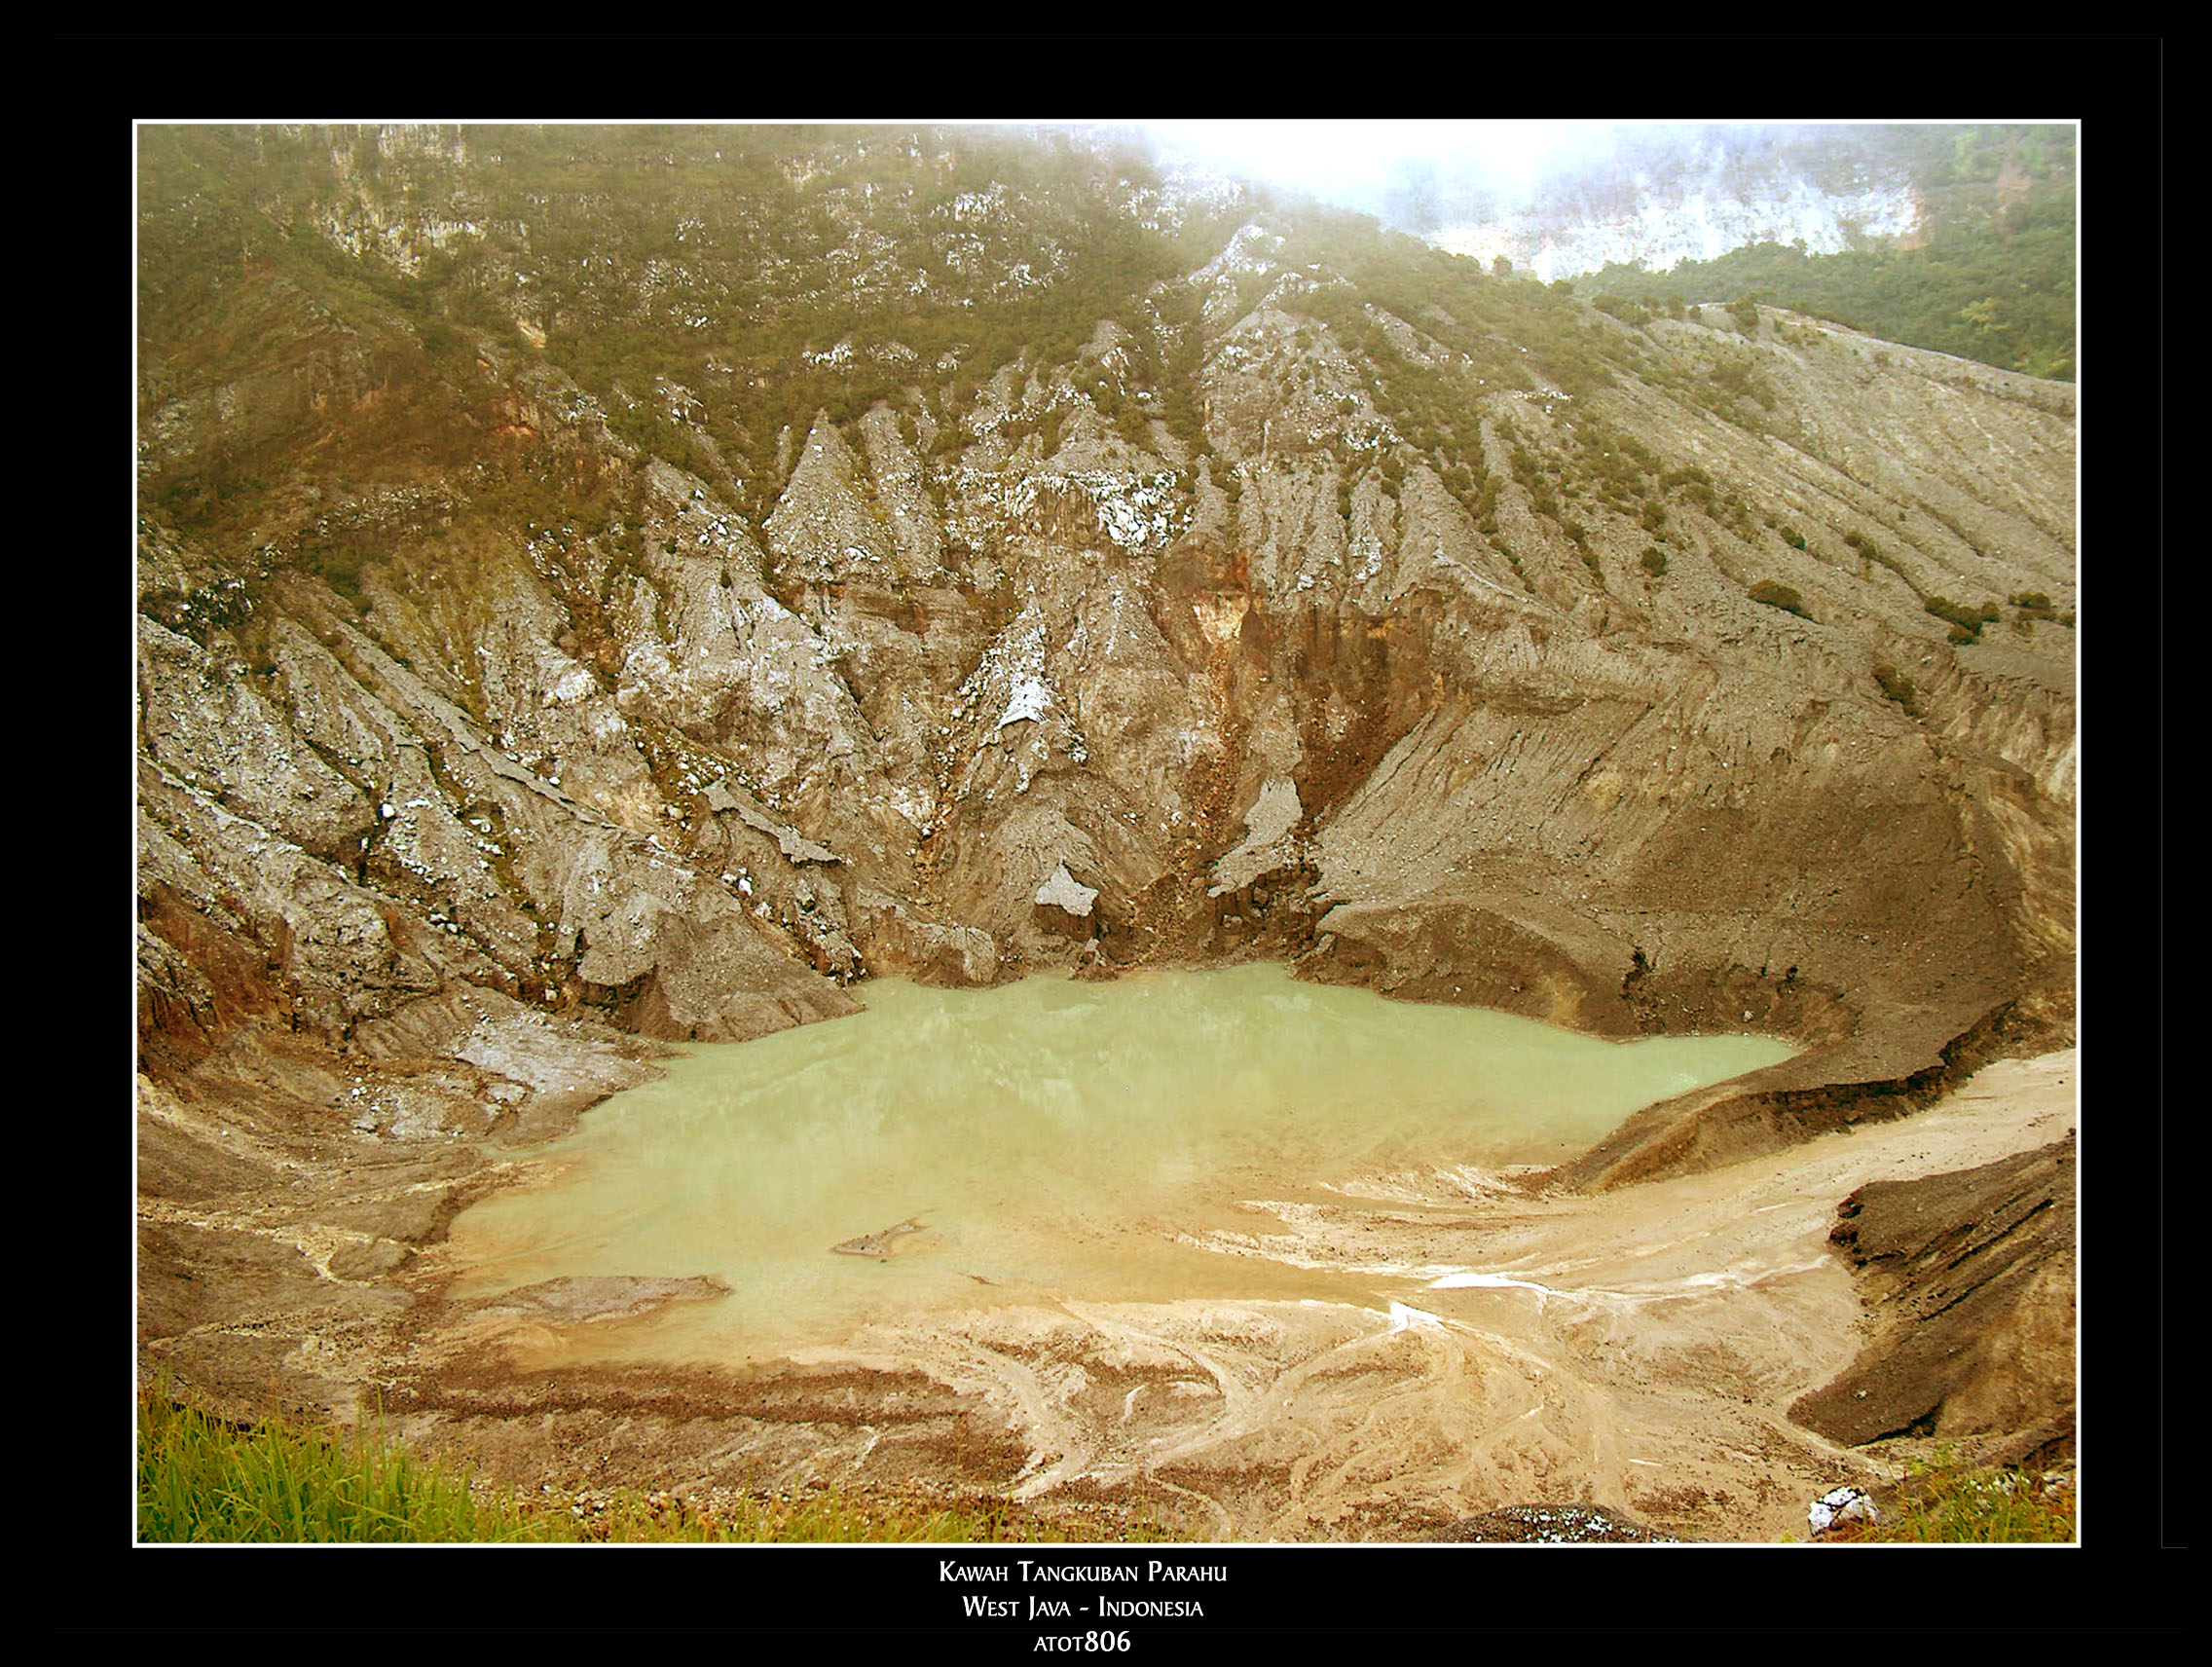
x: 1969, y: 1278
x: 488, y: 718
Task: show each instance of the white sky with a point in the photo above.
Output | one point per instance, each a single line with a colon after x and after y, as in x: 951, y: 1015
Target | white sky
x: 1337, y: 159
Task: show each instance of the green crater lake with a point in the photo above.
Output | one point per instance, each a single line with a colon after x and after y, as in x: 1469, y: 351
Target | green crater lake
x: 1051, y: 1139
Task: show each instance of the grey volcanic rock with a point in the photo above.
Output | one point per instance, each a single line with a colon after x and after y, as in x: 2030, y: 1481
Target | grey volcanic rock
x: 1646, y: 803
x: 207, y: 722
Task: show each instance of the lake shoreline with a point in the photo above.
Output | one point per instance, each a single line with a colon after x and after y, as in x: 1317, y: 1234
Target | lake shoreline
x: 1667, y: 1327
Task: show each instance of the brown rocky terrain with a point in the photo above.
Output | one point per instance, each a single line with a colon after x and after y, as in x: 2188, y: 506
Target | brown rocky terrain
x: 453, y: 802
x: 1971, y: 1278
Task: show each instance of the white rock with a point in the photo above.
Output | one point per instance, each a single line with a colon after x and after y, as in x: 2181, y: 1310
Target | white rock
x: 1840, y: 1505
x: 1065, y: 890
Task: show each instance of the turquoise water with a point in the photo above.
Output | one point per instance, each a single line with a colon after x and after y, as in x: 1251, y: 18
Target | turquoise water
x: 1051, y: 1138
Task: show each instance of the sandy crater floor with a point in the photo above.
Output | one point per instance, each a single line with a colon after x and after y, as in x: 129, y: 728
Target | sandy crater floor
x: 1636, y: 1350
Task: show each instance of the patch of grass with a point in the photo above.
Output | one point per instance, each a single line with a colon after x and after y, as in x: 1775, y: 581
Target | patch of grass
x: 1965, y: 622
x: 1973, y: 1508
x: 203, y: 1480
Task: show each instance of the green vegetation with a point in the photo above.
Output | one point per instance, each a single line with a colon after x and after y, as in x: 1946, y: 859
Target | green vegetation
x: 1495, y: 333
x: 2005, y: 1509
x: 2000, y: 293
x: 1780, y: 596
x: 2034, y: 605
x: 203, y: 1480
x: 1739, y: 377
x: 772, y: 272
x: 1655, y: 560
x: 1943, y: 1504
x: 1899, y: 687
x: 1965, y: 622
x: 199, y: 1479
x: 714, y: 292
x: 1694, y: 484
x: 1633, y: 313
x: 1994, y: 282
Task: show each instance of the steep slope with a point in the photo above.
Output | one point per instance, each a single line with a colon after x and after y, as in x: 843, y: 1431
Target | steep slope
x: 607, y: 592
x: 1969, y: 1281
